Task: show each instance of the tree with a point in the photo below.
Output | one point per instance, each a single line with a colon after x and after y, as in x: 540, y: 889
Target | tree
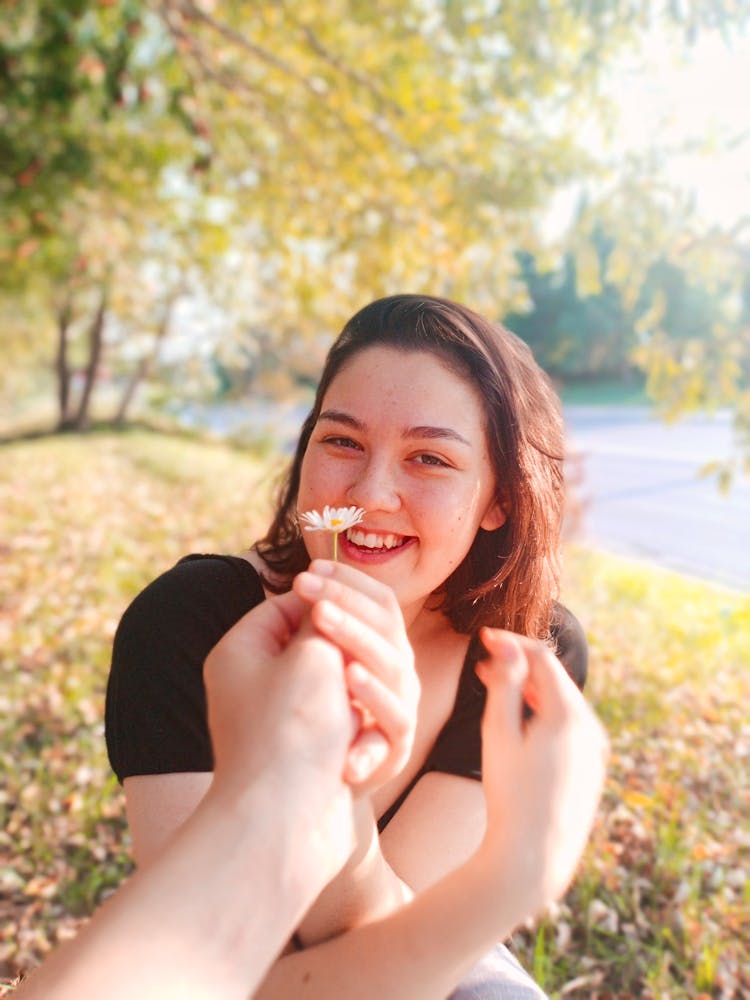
x: 676, y: 310
x: 705, y: 363
x: 336, y: 151
x: 84, y: 149
x: 685, y: 282
x: 575, y: 335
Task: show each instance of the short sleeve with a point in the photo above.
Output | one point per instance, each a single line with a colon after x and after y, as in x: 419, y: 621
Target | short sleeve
x: 458, y: 748
x: 571, y: 645
x: 155, y: 714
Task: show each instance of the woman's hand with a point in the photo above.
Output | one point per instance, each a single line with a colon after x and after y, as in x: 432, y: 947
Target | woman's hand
x: 542, y: 775
x: 362, y: 617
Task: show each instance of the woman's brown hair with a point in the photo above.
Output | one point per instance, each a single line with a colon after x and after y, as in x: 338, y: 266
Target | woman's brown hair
x: 509, y: 577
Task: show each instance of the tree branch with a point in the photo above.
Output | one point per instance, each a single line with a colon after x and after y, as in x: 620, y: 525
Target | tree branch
x: 146, y: 364
x: 191, y: 11
x: 96, y: 342
x: 62, y: 369
x: 340, y: 66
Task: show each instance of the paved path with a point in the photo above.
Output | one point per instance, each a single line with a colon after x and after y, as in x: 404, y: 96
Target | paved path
x: 643, y: 495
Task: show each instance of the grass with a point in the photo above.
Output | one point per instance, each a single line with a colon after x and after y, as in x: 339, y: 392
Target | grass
x: 661, y: 907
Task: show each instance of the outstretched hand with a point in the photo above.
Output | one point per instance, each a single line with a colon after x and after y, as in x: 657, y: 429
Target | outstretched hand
x: 543, y: 775
x: 279, y: 714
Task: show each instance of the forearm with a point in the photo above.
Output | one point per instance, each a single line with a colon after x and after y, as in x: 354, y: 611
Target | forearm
x: 180, y: 926
x: 421, y: 950
x: 366, y: 889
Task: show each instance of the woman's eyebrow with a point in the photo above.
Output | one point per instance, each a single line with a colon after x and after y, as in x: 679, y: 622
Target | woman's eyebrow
x: 428, y: 431
x: 422, y: 431
x: 341, y: 417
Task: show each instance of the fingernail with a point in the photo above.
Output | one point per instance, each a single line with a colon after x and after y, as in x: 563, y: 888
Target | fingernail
x: 322, y: 567
x: 310, y: 584
x: 503, y: 646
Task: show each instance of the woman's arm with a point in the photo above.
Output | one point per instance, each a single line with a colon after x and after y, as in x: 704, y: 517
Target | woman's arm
x: 438, y: 827
x: 542, y: 781
x: 366, y: 889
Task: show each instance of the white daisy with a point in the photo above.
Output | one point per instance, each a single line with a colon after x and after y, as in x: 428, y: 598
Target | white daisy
x: 335, y: 519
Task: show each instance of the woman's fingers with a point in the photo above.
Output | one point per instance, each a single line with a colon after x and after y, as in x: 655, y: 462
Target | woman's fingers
x: 351, y: 597
x: 366, y: 756
x: 387, y: 732
x: 355, y: 579
x: 355, y: 592
x: 382, y: 707
x: 391, y: 662
x: 363, y: 618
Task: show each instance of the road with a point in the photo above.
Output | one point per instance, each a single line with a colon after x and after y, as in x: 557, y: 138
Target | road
x: 643, y: 495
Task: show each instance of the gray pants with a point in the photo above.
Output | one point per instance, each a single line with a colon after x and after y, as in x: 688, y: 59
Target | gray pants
x: 498, y: 976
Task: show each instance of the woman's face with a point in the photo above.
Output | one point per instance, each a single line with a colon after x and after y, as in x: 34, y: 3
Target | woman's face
x: 401, y: 435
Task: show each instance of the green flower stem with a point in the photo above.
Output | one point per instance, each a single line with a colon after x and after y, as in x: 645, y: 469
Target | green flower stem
x: 335, y: 546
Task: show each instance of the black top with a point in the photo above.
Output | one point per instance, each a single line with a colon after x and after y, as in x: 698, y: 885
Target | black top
x: 155, y: 719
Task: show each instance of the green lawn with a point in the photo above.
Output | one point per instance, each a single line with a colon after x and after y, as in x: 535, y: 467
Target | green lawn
x: 661, y: 907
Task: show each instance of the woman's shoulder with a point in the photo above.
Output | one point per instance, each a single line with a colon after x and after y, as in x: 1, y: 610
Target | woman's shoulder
x: 571, y: 644
x: 201, y: 569
x: 199, y: 587
x: 155, y: 704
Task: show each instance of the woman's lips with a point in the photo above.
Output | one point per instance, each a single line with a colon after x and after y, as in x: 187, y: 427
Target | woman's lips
x: 366, y: 538
x: 357, y: 549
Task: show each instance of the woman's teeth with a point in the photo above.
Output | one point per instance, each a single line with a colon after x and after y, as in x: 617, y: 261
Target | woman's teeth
x: 369, y: 540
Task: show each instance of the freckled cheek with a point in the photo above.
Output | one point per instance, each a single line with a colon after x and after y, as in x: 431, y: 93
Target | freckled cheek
x: 321, y: 482
x: 452, y: 508
x: 458, y: 524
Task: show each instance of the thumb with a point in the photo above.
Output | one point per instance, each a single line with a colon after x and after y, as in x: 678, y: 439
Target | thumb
x: 271, y: 624
x: 504, y: 673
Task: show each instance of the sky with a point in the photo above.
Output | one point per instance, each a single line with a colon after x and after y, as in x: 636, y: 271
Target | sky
x: 698, y: 98
x: 702, y: 95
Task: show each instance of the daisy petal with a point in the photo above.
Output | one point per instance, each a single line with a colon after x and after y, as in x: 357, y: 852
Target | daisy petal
x: 335, y: 519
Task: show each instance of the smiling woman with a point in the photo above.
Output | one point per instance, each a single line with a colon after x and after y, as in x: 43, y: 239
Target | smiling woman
x: 438, y: 430
x: 403, y: 437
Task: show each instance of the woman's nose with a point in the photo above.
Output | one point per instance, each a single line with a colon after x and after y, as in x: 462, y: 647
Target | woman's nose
x: 375, y: 488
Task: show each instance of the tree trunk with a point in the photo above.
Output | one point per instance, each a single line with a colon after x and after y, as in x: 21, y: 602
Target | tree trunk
x: 145, y: 366
x: 62, y: 370
x: 96, y: 342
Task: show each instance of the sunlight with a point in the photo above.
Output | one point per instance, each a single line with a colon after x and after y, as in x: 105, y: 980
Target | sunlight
x: 696, y: 107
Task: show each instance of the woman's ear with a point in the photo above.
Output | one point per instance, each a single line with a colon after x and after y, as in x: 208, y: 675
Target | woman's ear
x: 495, y: 517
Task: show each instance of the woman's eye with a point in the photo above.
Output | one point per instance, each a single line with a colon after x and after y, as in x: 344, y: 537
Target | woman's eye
x: 341, y: 442
x: 431, y: 460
